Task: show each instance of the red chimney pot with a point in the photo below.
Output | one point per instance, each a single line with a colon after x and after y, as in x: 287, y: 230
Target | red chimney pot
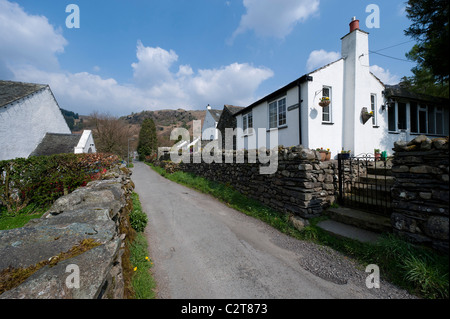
x: 354, y: 25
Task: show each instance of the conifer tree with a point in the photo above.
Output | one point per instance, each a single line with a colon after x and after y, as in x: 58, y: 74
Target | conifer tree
x: 148, y: 142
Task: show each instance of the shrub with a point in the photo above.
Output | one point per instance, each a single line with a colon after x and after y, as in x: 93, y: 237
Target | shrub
x: 138, y: 219
x: 41, y: 180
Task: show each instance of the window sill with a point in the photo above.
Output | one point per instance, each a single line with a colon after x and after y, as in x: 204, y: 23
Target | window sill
x: 428, y: 134
x: 327, y: 123
x: 277, y: 128
x: 375, y: 126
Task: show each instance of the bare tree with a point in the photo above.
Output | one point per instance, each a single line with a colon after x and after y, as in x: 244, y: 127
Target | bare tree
x: 111, y: 134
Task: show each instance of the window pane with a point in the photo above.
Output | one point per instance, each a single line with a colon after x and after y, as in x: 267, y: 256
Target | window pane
x: 413, y: 117
x: 326, y: 114
x: 431, y: 120
x: 439, y: 121
x: 373, y: 102
x: 244, y: 123
x: 401, y: 116
x: 273, y: 115
x: 250, y: 120
x: 422, y: 121
x: 282, y: 112
x: 391, y: 118
x: 326, y: 117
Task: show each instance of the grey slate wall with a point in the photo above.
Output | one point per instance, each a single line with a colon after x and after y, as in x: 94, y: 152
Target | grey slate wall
x: 421, y: 191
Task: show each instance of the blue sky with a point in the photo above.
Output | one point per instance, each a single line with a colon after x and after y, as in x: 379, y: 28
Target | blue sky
x: 134, y: 55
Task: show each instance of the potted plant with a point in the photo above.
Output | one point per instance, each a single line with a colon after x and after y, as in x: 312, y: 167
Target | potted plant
x: 325, y: 101
x: 345, y: 154
x: 377, y: 153
x: 328, y: 155
x: 325, y: 155
x: 365, y: 115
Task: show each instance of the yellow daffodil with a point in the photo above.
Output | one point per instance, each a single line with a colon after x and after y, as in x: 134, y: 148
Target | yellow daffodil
x: 135, y: 268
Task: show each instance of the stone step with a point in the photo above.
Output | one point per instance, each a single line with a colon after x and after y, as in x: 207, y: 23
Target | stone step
x: 367, y: 199
x: 380, y: 171
x: 377, y: 179
x: 343, y: 230
x: 379, y: 191
x: 360, y: 219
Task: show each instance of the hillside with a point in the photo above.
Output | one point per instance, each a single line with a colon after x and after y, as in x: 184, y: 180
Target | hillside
x: 166, y: 121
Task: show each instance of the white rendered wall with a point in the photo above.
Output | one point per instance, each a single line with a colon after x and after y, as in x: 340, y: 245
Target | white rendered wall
x: 324, y: 134
x: 359, y: 84
x: 24, y: 123
x: 86, y: 142
x: 287, y: 136
x: 209, y: 127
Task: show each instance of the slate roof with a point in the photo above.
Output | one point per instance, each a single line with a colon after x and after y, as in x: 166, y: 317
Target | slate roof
x: 215, y: 114
x: 12, y: 91
x: 53, y: 143
x: 398, y: 91
x: 234, y: 109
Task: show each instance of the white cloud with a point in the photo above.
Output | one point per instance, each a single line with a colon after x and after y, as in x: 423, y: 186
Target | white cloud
x: 29, y: 48
x: 26, y: 38
x: 233, y: 81
x: 153, y: 66
x: 320, y: 58
x: 269, y: 18
x: 84, y: 92
x: 385, y: 76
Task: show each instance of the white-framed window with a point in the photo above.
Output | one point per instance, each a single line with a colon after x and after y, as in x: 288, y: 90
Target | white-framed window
x: 326, y: 111
x: 277, y: 113
x: 421, y: 118
x: 397, y: 117
x: 427, y: 119
x: 247, y: 123
x: 373, y: 108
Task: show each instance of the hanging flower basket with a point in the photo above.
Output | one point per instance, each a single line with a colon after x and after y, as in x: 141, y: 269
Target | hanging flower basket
x: 324, y: 102
x: 365, y: 116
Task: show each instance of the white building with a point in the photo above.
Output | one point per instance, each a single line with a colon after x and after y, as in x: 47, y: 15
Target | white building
x: 209, y: 127
x: 29, y: 115
x: 53, y: 143
x: 352, y: 89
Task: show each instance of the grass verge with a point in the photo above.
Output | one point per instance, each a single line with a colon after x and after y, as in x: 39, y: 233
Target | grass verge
x: 419, y: 270
x: 142, y: 281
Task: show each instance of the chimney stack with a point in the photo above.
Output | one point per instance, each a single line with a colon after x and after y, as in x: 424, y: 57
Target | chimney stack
x: 354, y: 25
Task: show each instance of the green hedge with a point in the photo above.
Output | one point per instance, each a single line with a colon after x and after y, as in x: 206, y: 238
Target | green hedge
x: 41, y: 180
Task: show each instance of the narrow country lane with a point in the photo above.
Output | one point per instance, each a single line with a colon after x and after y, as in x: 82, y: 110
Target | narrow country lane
x: 201, y: 249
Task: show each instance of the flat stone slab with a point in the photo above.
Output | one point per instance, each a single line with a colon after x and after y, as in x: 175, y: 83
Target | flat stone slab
x: 50, y: 282
x: 23, y: 247
x: 348, y: 231
x: 360, y: 219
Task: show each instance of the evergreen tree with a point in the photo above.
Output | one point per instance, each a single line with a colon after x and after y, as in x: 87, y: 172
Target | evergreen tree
x: 429, y: 27
x: 148, y: 142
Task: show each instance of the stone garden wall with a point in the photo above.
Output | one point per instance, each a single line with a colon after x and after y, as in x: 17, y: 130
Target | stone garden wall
x: 95, y: 215
x: 421, y: 191
x: 303, y: 186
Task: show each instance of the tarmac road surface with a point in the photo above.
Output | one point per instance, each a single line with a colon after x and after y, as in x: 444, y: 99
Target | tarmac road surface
x: 202, y: 249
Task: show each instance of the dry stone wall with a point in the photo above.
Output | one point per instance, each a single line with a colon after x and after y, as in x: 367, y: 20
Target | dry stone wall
x: 97, y: 212
x: 421, y: 191
x: 302, y: 186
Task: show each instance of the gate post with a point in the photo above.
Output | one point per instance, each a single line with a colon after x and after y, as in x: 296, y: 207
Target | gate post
x: 341, y: 179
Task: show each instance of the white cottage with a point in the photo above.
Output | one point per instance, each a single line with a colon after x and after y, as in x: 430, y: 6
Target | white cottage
x: 31, y: 121
x: 209, y: 127
x: 354, y: 92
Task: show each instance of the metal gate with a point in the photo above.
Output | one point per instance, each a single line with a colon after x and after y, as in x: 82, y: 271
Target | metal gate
x: 365, y: 183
